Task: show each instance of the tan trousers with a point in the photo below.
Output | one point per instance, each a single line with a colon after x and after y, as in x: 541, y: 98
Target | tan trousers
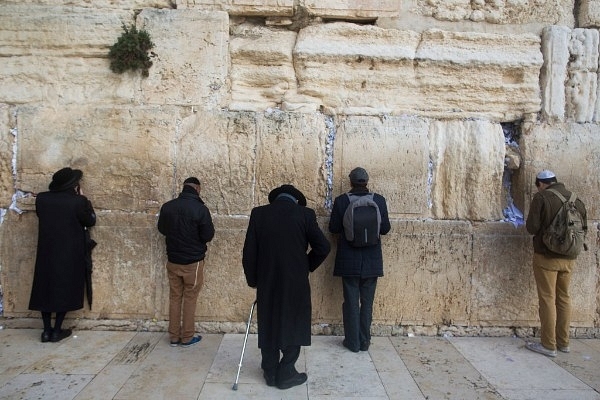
x: 554, y: 299
x: 185, y: 282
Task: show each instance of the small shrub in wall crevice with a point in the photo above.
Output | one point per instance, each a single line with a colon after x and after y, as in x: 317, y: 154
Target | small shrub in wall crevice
x: 130, y: 52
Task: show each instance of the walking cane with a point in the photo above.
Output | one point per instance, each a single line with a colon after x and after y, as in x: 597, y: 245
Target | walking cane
x: 235, y: 385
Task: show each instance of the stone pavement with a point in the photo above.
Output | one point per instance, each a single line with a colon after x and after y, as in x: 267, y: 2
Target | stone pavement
x: 142, y: 365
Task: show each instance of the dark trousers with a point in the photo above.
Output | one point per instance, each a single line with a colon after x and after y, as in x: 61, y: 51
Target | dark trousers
x: 282, y: 368
x: 358, y: 310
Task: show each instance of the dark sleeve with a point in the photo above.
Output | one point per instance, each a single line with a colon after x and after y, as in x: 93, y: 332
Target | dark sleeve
x: 206, y: 228
x: 337, y: 216
x: 85, y: 212
x: 581, y: 208
x: 161, y: 225
x: 250, y: 253
x: 319, y: 245
x: 385, y: 219
x: 534, y: 218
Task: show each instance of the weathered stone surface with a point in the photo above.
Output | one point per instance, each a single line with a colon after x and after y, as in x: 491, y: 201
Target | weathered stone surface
x: 59, y: 55
x: 395, y: 153
x: 191, y: 62
x: 365, y: 69
x: 214, y: 147
x: 350, y: 9
x: 427, y: 267
x: 242, y: 7
x: 569, y: 77
x: 126, y: 154
x: 499, y: 11
x: 555, y: 48
x: 6, y: 155
x: 570, y: 150
x: 498, y: 16
x: 99, y: 4
x: 262, y: 68
x: 589, y: 13
x: 466, y: 190
x: 582, y: 82
x: 291, y: 150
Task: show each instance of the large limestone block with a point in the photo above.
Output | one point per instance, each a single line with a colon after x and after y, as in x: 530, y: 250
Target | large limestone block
x: 368, y: 70
x: 126, y: 154
x: 572, y: 152
x: 262, y: 68
x: 589, y: 13
x: 395, y: 153
x: 128, y: 266
x: 40, y: 30
x: 291, y: 149
x: 191, y: 62
x: 357, y: 69
x: 470, y: 74
x: 119, y: 4
x: 498, y: 11
x: 58, y: 55
x: 468, y: 164
x: 555, y: 48
x: 242, y: 7
x: 582, y: 82
x: 7, y: 140
x: 569, y: 76
x: 351, y: 9
x: 428, y: 268
x: 217, y: 148
x: 503, y: 291
x: 18, y: 243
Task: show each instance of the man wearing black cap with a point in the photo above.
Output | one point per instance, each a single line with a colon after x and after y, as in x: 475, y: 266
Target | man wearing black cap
x: 277, y: 262
x: 359, y: 267
x: 552, y: 271
x: 187, y: 226
x: 59, y: 275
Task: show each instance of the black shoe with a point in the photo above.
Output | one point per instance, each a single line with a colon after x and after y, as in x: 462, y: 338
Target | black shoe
x: 365, y: 346
x: 294, y: 380
x: 345, y: 344
x: 269, y: 379
x: 60, y: 335
x: 46, y: 336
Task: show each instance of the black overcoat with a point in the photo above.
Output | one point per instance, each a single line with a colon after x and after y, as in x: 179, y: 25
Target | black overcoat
x: 277, y: 261
x: 59, y: 276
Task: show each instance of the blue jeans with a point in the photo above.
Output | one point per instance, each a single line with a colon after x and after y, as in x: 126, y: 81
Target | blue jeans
x: 358, y: 310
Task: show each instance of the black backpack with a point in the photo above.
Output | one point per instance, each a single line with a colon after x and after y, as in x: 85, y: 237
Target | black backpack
x: 362, y: 220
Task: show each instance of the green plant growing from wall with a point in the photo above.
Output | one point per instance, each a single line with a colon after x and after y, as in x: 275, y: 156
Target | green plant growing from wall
x: 131, y: 51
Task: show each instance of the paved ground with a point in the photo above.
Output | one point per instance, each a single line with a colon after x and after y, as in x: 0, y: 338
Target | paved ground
x: 142, y: 365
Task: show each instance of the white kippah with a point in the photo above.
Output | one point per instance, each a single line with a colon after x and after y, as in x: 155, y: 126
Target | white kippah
x: 546, y: 174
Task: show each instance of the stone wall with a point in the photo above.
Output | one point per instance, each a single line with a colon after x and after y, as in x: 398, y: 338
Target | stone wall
x: 452, y: 107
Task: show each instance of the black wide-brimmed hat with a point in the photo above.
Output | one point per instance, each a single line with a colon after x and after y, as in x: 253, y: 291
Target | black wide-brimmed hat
x: 65, y: 178
x: 288, y: 189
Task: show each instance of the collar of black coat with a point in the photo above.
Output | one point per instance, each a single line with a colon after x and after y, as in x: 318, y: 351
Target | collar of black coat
x: 190, y: 194
x: 359, y: 190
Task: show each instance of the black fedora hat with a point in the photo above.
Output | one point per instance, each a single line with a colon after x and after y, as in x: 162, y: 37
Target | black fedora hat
x: 65, y: 178
x: 288, y: 189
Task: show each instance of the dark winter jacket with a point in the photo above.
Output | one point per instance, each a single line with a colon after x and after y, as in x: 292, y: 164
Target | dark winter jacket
x: 277, y: 261
x: 542, y: 210
x: 363, y: 262
x: 187, y: 226
x: 59, y: 276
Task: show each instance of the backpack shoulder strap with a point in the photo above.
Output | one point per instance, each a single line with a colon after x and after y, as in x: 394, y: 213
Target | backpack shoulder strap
x: 560, y: 196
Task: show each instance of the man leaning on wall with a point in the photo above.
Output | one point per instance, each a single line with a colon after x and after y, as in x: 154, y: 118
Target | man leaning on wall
x: 359, y: 267
x: 187, y: 225
x: 552, y: 271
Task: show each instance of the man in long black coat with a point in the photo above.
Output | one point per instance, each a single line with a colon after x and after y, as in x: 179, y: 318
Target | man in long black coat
x: 60, y: 266
x: 277, y: 261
